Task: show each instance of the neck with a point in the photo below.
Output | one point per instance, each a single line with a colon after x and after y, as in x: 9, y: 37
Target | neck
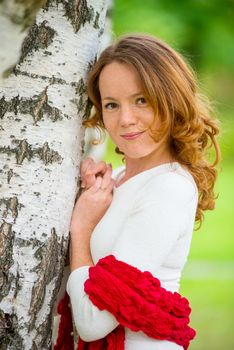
x: 135, y: 166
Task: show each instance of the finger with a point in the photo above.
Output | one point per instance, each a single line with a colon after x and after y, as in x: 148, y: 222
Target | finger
x: 97, y: 185
x: 100, y: 167
x: 88, y: 181
x: 109, y: 189
x: 92, y: 171
x: 110, y: 186
x: 106, y: 177
x: 85, y: 163
x: 84, y: 166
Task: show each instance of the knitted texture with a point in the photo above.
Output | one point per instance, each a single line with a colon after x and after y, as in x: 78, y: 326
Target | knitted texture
x: 113, y: 341
x: 138, y: 302
x: 65, y: 331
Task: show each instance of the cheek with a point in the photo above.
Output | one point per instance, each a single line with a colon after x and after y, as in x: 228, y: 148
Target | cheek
x: 109, y: 123
x: 146, y: 117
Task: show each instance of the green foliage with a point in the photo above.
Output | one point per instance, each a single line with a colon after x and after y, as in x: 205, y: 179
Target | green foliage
x: 215, y: 239
x: 202, y: 29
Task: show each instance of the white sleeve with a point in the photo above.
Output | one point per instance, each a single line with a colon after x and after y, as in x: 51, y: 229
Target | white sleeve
x: 91, y: 323
x: 157, y: 220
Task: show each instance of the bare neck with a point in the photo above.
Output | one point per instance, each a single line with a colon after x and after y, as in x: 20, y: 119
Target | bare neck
x: 136, y: 166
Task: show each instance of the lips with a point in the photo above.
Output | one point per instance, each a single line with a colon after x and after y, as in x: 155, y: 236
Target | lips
x: 131, y: 135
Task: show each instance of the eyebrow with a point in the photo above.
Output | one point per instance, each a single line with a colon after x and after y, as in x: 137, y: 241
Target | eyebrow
x: 112, y: 98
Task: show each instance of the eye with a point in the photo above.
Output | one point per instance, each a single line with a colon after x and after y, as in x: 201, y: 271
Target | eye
x: 110, y: 105
x: 141, y: 101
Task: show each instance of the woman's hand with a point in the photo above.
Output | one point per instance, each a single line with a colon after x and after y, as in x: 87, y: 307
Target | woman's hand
x: 89, y: 209
x: 89, y: 170
x: 93, y: 202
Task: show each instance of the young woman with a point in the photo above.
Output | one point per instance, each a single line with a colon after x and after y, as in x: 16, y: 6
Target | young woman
x: 141, y: 216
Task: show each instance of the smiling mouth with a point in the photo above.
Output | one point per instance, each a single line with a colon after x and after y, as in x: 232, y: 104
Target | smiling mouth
x: 132, y: 136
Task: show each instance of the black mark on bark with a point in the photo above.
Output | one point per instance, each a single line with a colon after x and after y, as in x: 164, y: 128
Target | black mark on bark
x: 9, y: 175
x: 6, y: 249
x: 9, y: 332
x: 78, y: 13
x: 10, y: 106
x: 51, y: 256
x: 33, y: 242
x: 3, y: 107
x: 96, y: 24
x: 24, y: 150
x: 45, y: 329
x: 82, y: 103
x: 11, y: 205
x: 37, y: 76
x: 48, y: 155
x: 37, y: 106
x: 38, y: 38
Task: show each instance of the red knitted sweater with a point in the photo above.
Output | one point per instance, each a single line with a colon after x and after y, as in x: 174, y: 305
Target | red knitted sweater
x: 137, y: 301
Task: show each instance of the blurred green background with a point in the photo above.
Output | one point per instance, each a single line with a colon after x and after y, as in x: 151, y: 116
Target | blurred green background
x: 203, y: 32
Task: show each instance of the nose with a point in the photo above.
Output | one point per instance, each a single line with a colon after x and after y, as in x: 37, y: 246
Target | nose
x: 127, y: 116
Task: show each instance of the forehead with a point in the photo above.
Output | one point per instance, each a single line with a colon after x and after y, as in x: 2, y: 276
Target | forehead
x: 119, y: 77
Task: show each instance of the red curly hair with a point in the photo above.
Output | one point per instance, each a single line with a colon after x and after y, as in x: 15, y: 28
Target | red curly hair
x: 169, y: 85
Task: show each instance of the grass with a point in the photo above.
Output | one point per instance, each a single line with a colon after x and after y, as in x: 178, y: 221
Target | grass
x: 212, y: 315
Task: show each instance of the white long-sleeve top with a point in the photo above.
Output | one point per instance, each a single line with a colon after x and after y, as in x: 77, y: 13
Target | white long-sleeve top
x: 149, y: 225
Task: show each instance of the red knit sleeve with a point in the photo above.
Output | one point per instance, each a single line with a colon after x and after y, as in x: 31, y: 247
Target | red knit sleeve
x: 138, y: 301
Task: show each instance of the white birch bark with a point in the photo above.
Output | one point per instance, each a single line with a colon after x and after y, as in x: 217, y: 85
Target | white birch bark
x: 42, y: 104
x: 15, y: 18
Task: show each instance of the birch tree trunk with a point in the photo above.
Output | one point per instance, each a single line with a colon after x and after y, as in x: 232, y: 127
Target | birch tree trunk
x: 42, y: 104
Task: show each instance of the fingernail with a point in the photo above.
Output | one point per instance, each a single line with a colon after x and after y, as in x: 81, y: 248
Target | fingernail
x: 82, y: 185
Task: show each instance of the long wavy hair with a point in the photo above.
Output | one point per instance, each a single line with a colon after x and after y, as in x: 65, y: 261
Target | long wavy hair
x: 170, y: 86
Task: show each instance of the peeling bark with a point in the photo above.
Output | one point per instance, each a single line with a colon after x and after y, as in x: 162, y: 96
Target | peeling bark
x: 8, y: 323
x: 6, y: 249
x: 42, y: 104
x: 48, y: 256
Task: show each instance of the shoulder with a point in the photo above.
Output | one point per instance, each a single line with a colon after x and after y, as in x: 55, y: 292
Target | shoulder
x: 175, y: 186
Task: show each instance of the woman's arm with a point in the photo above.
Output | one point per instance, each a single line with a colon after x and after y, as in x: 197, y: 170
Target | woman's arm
x: 80, y: 248
x: 148, y: 235
x: 89, y: 209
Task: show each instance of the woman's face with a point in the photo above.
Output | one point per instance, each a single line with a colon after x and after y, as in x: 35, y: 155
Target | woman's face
x: 127, y: 115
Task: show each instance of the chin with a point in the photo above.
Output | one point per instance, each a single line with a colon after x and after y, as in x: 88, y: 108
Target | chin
x: 136, y: 155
